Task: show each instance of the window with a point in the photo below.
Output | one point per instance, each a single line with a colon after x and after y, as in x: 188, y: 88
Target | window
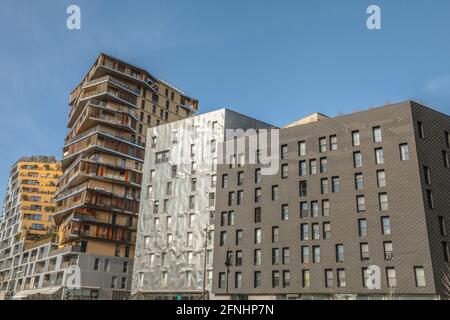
x: 325, y: 208
x: 339, y: 253
x: 336, y: 185
x: 420, y: 277
x: 359, y: 181
x: 224, y: 181
x: 313, y: 166
x: 257, y: 215
x: 284, y: 171
x: 305, y: 254
x: 323, y: 165
x: 284, y: 212
x: 383, y: 200
x: 221, y: 280
x: 257, y: 257
x: 421, y: 129
x: 326, y: 231
x: 223, y: 238
x: 388, y: 250
x: 238, y: 262
x: 303, y: 210
x: 275, y: 279
x: 113, y: 282
x: 275, y: 234
x: 341, y: 278
x: 364, y: 250
x: 445, y: 251
x: 381, y: 178
x: 275, y: 256
x: 304, y: 228
x: 430, y: 199
x: 360, y: 204
x: 362, y: 227
x: 316, y: 254
x: 231, y: 197
x: 365, y: 277
x: 192, y: 202
x: 324, y: 186
x: 302, y: 148
x: 427, y: 174
x: 333, y: 143
x: 323, y: 145
x: 189, y: 237
x: 257, y: 279
x: 223, y: 218
x: 314, y: 209
x: 231, y: 218
x: 379, y: 156
x: 303, y: 188
x: 257, y: 236
x: 446, y: 160
x: 357, y: 159
x: 329, y: 281
x: 238, y: 237
x: 257, y: 175
x: 190, y: 257
x: 306, y: 280
x: 240, y: 197
x: 356, y: 139
x: 447, y: 138
x: 275, y: 193
x: 315, y: 231
x: 257, y: 195
x: 377, y: 135
x: 96, y: 264
x: 391, y: 278
x: 161, y: 157
x: 213, y: 146
x: 286, y: 279
x: 284, y: 152
x: 386, y: 225
x: 302, y: 168
x: 404, y: 152
x: 442, y: 227
x: 240, y: 178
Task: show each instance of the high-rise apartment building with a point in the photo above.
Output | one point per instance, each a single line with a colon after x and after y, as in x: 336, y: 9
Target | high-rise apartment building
x: 99, y: 192
x: 27, y: 220
x: 174, y: 246
x: 359, y: 209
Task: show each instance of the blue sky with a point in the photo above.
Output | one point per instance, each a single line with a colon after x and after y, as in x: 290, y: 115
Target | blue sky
x: 274, y: 60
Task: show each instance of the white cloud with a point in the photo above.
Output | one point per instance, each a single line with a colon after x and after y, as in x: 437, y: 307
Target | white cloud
x: 439, y: 86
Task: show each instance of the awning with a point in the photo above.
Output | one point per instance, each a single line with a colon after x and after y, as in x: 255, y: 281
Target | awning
x: 45, y: 291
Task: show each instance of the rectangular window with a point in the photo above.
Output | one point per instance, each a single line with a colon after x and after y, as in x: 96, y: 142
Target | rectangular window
x: 356, y: 139
x: 257, y: 279
x: 420, y: 277
x: 326, y: 231
x: 324, y: 186
x: 388, y: 250
x: 404, y: 152
x: 325, y: 208
x: 305, y: 254
x: 306, y: 280
x: 329, y: 281
x: 275, y: 234
x: 313, y: 166
x: 257, y: 257
x: 339, y: 253
x: 224, y: 181
x: 447, y: 138
x: 360, y: 204
x: 421, y: 129
x: 303, y: 210
x: 323, y: 144
x: 231, y: 218
x: 445, y: 251
x: 427, y: 174
x: 303, y: 188
x: 315, y: 231
x: 359, y: 181
x: 333, y: 143
x: 383, y: 201
x: 258, y: 215
x: 323, y: 165
x: 275, y: 279
x: 238, y: 262
x: 275, y: 256
x: 302, y: 168
x: 286, y: 279
x: 284, y: 171
x: 284, y: 152
x: 362, y: 227
x: 381, y: 178
x: 257, y: 195
x: 257, y: 236
x: 221, y: 280
x: 341, y: 278
x: 336, y: 185
x: 364, y: 250
x: 240, y: 197
x: 430, y: 199
x: 446, y: 159
x: 302, y: 148
x: 314, y: 209
x: 357, y: 159
x: 316, y: 254
x: 238, y: 237
x: 240, y: 179
x: 377, y: 135
x: 304, y: 231
x: 386, y: 225
x: 286, y: 255
x: 258, y: 176
x: 379, y: 156
x: 284, y: 212
x: 223, y: 238
x: 275, y: 193
x: 391, y: 278
x: 442, y: 227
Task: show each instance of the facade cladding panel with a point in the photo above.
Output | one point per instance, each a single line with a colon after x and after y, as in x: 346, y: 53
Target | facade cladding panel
x: 414, y: 242
x: 177, y: 203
